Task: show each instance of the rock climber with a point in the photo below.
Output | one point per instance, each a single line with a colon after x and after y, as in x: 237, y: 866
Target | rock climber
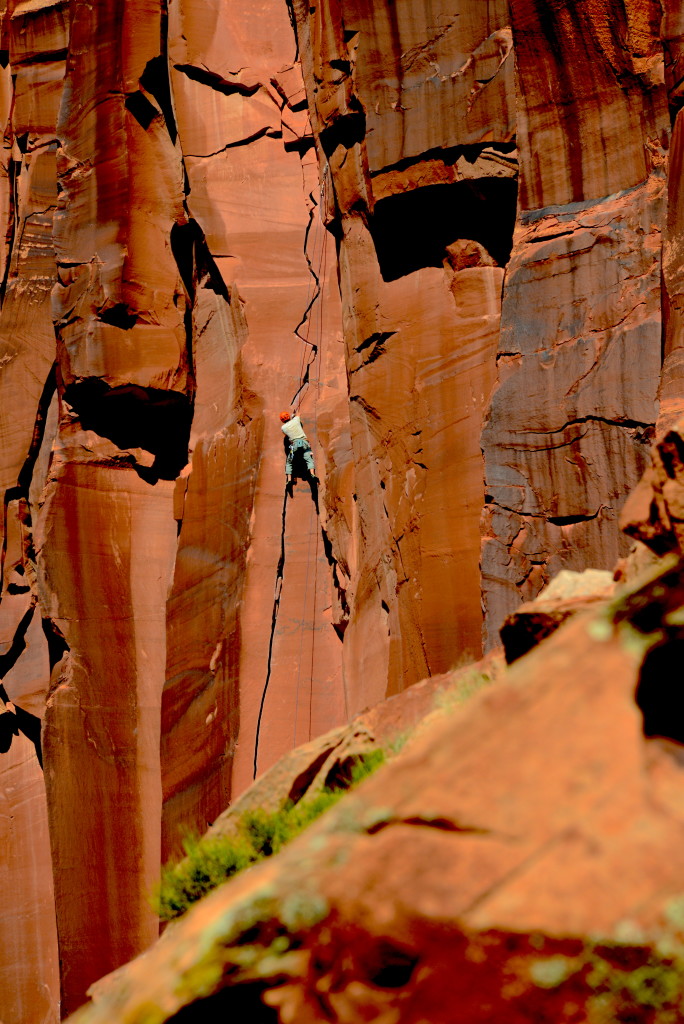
x: 297, y: 441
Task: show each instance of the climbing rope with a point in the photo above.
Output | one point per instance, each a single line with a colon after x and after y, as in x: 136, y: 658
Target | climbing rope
x: 313, y: 367
x: 314, y: 293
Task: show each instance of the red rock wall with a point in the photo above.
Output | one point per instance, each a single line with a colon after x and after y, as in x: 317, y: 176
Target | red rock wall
x: 414, y: 110
x: 579, y: 355
x: 168, y: 286
x: 30, y: 89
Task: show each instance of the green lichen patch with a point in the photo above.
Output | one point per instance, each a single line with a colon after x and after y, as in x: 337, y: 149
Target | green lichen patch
x: 620, y: 982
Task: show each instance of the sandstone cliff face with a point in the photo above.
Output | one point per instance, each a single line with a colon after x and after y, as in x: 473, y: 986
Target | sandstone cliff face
x: 214, y: 211
x: 414, y: 111
x: 579, y: 354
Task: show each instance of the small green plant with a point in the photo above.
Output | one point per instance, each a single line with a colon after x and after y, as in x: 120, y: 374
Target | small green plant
x: 462, y: 690
x: 259, y: 833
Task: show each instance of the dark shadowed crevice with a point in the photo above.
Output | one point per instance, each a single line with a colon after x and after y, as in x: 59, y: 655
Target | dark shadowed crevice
x: 341, y: 626
x: 13, y: 175
x: 411, y: 230
x: 660, y: 692
x: 300, y: 146
x: 388, y: 966
x: 441, y: 824
x: 215, y: 82
x: 233, y: 1003
x: 20, y: 491
x: 44, y: 56
x: 142, y: 110
x: 56, y: 643
x: 194, y: 260
x: 346, y: 130
x: 505, y: 152
x: 46, y: 395
x: 156, y: 420
x: 574, y: 520
x: 18, y: 721
x: 13, y: 723
x: 155, y: 81
x: 9, y: 659
x: 118, y: 315
x: 303, y: 781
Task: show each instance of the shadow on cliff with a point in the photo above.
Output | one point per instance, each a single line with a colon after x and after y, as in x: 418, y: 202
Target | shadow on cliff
x: 16, y: 721
x: 659, y: 696
x: 131, y: 416
x: 412, y: 230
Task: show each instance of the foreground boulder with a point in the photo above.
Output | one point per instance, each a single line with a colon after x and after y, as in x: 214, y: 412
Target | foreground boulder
x: 568, y: 593
x: 517, y: 862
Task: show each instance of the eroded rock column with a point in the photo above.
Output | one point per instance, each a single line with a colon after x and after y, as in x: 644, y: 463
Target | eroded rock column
x: 106, y: 535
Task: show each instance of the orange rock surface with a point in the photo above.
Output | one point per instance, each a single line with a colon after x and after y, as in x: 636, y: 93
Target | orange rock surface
x: 532, y: 827
x: 449, y: 236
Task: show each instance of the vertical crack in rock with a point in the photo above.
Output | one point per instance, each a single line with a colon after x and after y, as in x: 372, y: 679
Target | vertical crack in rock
x: 341, y: 591
x: 317, y: 296
x: 13, y: 171
x: 56, y: 642
x: 274, y: 621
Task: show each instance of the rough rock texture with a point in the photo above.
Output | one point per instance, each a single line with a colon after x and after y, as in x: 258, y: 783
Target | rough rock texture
x: 181, y: 174
x: 654, y: 512
x: 213, y: 211
x: 504, y: 835
x: 414, y: 111
x: 579, y: 353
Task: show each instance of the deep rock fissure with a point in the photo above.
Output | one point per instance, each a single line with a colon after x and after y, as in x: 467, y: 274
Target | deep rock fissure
x: 274, y: 622
x: 507, y: 151
x: 659, y: 694
x: 13, y: 172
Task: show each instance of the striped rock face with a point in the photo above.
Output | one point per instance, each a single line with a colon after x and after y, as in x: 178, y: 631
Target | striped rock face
x: 449, y: 236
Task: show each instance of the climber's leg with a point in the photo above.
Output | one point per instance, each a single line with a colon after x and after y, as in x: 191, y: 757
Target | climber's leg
x: 309, y: 459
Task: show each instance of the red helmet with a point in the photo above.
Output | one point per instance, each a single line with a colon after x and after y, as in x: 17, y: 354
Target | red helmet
x: 285, y: 416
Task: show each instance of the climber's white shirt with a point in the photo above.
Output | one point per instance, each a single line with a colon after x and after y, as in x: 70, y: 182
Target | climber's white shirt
x: 293, y: 429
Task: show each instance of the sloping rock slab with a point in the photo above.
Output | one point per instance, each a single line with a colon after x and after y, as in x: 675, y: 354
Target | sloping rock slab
x: 482, y: 875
